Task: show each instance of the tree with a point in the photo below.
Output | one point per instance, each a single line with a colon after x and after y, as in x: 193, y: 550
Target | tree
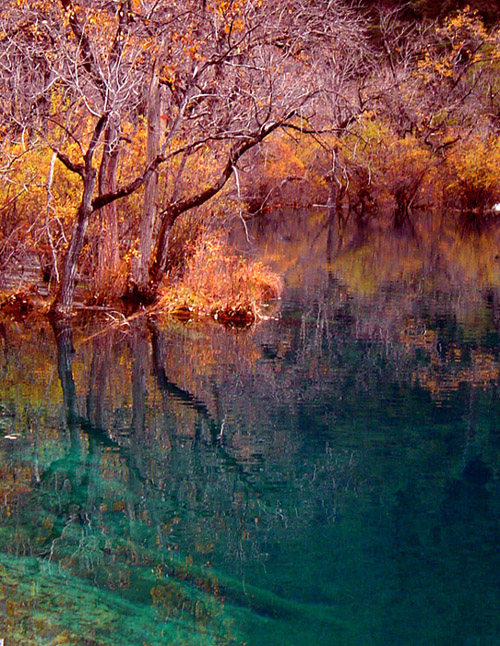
x: 432, y: 94
x: 224, y: 73
x: 82, y: 86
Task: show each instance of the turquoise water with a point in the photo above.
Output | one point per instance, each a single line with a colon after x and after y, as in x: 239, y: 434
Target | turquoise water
x: 330, y: 476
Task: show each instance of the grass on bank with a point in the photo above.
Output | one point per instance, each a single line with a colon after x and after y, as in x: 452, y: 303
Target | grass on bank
x: 218, y: 283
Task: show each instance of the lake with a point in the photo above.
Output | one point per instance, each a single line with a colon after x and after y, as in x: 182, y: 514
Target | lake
x: 328, y: 476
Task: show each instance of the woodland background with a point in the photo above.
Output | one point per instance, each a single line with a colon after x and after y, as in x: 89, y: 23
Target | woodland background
x: 134, y: 134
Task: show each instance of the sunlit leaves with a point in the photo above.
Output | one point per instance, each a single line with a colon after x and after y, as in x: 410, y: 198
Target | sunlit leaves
x: 460, y: 43
x: 474, y: 172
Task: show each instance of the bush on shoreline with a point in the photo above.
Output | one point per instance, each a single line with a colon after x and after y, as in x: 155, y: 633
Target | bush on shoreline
x: 218, y: 283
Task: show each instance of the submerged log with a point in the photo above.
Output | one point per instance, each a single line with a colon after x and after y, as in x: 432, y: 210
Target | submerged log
x: 234, y: 316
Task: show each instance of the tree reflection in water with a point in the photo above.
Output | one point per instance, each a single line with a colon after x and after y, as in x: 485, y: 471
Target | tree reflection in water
x: 331, y: 476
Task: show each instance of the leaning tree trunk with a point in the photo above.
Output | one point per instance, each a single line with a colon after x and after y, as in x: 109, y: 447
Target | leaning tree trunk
x: 162, y: 248
x: 177, y: 208
x: 65, y: 296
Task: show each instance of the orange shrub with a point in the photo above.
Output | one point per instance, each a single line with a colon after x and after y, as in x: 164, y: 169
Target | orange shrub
x: 474, y: 174
x: 217, y: 282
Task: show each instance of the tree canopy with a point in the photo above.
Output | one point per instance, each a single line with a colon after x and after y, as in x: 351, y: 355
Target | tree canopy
x: 118, y: 117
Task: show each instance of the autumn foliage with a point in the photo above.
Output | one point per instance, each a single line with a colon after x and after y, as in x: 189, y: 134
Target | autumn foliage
x: 221, y: 284
x: 115, y: 120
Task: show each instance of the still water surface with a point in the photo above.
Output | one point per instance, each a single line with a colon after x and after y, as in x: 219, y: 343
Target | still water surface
x: 330, y: 476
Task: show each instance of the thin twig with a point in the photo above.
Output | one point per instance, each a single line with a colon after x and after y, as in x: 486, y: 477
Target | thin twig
x: 240, y: 212
x: 48, y: 210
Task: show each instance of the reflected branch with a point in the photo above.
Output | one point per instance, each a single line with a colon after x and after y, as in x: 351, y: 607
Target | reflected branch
x: 167, y: 387
x: 186, y: 398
